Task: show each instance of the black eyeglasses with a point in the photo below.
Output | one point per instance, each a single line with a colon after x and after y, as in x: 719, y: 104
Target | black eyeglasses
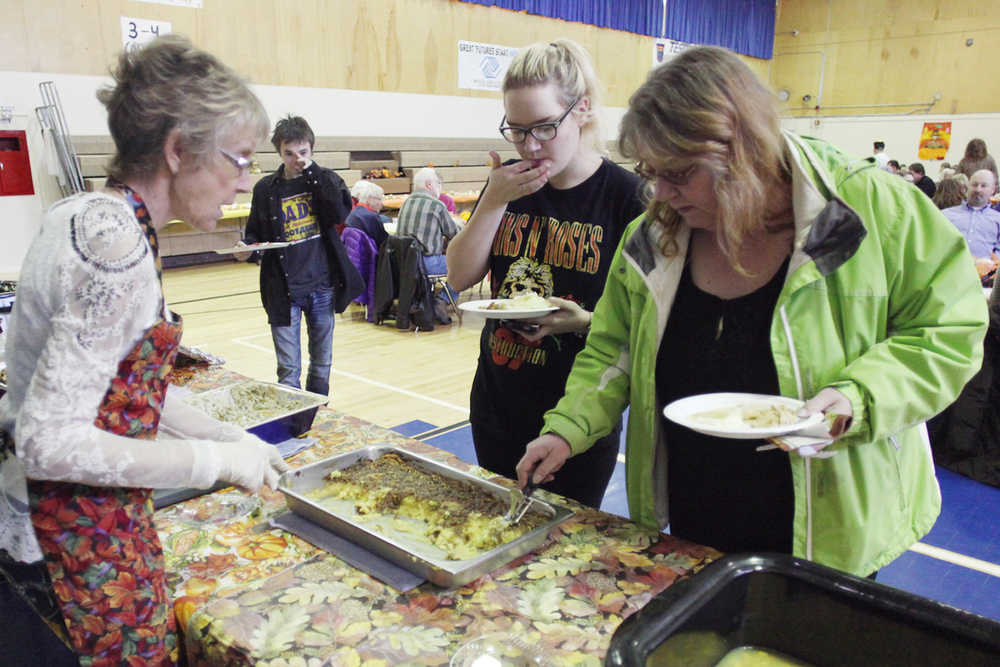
x: 240, y: 162
x: 540, y: 131
x: 678, y: 177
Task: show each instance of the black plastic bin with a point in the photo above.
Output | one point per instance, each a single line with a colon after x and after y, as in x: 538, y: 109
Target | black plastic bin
x: 803, y: 610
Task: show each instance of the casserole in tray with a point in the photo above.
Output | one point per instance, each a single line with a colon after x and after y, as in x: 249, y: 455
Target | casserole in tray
x: 266, y: 409
x: 397, y: 546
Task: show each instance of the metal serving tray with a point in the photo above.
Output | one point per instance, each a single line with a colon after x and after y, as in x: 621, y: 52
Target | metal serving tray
x: 305, y: 400
x: 445, y: 573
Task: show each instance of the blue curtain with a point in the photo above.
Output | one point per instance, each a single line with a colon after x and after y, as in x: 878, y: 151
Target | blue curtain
x: 745, y: 26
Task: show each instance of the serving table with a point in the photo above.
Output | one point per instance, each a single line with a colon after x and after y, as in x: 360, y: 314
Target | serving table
x: 247, y: 593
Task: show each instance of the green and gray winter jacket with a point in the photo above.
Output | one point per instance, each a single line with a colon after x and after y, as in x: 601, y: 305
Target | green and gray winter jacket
x: 881, y: 302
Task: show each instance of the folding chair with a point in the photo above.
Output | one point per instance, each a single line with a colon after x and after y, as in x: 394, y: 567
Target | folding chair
x: 440, y: 280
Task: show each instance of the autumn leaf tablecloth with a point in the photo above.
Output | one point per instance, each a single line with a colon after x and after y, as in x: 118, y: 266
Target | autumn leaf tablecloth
x: 246, y: 593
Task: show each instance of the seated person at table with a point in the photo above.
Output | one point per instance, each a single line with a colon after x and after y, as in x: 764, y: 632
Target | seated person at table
x: 949, y: 193
x: 303, y: 203
x: 424, y: 217
x: 774, y: 264
x: 920, y: 179
x: 979, y: 224
x: 89, y: 352
x: 365, y: 216
x: 449, y: 203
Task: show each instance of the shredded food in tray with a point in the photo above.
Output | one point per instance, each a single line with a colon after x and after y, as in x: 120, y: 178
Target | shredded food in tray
x: 755, y: 415
x: 246, y: 404
x: 452, y: 515
x: 521, y: 301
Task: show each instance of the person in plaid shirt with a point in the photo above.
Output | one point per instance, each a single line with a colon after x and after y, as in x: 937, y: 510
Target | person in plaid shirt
x: 426, y: 218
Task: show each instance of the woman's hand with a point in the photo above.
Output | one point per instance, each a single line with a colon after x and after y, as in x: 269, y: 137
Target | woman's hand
x: 242, y: 256
x: 250, y: 463
x: 839, y: 415
x: 516, y: 180
x: 544, y: 455
x: 569, y: 318
x: 835, y: 406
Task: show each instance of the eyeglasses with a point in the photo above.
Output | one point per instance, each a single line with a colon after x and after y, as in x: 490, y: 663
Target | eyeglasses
x: 678, y: 177
x: 540, y: 131
x: 239, y: 161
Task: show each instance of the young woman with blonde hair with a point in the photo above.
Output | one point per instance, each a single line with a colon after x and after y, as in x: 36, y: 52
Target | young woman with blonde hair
x: 771, y: 264
x: 547, y: 223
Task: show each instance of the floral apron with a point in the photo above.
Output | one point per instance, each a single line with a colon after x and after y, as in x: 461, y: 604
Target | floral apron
x: 102, y: 553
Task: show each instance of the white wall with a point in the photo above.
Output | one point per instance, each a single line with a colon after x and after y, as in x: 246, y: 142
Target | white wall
x: 366, y: 113
x: 330, y: 113
x: 901, y: 134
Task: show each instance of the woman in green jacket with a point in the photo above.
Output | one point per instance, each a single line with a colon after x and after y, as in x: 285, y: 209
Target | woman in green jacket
x: 771, y: 264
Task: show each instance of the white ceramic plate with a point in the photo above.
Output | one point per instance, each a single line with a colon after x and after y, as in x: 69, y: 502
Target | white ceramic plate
x: 686, y: 411
x: 271, y: 245
x: 481, y: 307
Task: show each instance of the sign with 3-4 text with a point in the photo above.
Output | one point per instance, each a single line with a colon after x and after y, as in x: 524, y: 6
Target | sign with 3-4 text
x: 136, y: 32
x: 483, y: 66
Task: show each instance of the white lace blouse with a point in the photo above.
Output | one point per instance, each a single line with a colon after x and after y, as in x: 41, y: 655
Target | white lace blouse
x: 86, y: 294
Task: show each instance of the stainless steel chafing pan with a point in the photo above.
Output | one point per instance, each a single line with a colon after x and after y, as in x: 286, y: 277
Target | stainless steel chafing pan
x: 396, y: 548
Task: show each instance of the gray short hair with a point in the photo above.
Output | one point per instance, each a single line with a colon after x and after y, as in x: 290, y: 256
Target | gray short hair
x: 170, y: 84
x: 364, y: 190
x: 422, y: 176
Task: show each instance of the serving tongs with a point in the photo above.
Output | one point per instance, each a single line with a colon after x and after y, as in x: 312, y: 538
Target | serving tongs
x: 520, y: 501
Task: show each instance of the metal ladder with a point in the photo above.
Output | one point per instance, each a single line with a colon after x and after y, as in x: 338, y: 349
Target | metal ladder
x: 51, y: 118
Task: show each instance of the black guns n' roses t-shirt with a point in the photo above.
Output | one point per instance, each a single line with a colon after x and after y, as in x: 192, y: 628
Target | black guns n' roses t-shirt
x: 557, y: 243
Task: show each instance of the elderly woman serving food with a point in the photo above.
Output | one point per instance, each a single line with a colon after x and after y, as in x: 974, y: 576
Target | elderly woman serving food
x: 90, y: 345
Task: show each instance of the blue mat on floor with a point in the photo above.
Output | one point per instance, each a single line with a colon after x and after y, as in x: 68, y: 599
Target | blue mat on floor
x: 969, y: 524
x: 415, y: 427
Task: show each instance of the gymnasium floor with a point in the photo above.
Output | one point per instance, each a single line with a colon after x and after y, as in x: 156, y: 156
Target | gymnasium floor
x: 418, y: 384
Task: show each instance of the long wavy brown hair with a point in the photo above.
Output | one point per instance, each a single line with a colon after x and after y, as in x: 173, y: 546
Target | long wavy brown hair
x: 706, y: 106
x: 975, y: 150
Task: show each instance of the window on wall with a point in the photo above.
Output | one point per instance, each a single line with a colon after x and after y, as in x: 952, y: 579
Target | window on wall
x: 745, y: 26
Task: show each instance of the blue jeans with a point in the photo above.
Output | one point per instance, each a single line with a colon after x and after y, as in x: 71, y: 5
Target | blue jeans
x: 436, y: 265
x: 318, y: 309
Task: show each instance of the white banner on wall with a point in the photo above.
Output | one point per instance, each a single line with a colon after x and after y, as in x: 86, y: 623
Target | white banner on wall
x: 665, y: 49
x: 482, y: 66
x: 136, y: 32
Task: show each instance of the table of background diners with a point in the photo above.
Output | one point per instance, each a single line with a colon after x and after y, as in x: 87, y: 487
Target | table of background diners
x: 246, y: 593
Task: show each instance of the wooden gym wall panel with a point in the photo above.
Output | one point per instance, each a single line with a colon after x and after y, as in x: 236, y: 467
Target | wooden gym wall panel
x: 378, y: 45
x: 872, y: 53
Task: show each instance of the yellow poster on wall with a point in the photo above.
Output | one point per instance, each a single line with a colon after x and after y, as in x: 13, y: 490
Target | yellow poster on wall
x: 934, y: 141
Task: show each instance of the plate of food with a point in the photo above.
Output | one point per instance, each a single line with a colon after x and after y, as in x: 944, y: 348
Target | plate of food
x: 268, y: 245
x: 519, y: 307
x: 740, y: 416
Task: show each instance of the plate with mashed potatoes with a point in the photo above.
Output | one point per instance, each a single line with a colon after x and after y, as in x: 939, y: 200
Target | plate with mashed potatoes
x: 740, y: 416
x: 522, y: 306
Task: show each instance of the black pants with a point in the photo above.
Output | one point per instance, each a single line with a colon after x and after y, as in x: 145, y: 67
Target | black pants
x: 584, y: 477
x: 24, y: 637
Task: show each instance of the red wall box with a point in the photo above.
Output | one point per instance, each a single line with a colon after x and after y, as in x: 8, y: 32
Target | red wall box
x: 15, y: 168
